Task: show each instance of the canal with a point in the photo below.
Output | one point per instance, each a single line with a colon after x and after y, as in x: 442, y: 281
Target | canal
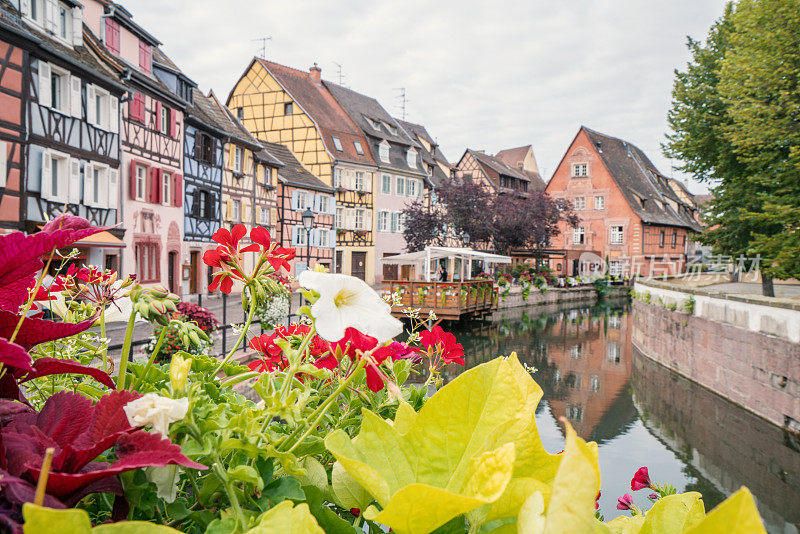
x: 640, y: 413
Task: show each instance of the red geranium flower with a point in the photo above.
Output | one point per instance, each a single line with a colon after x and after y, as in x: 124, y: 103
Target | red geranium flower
x: 444, y: 344
x: 272, y: 355
x: 355, y: 345
x: 641, y: 479
x: 228, y: 256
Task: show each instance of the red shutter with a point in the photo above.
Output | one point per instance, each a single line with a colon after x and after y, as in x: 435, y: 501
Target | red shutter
x: 158, y: 117
x: 155, y: 185
x: 175, y: 130
x: 177, y: 197
x: 133, y: 180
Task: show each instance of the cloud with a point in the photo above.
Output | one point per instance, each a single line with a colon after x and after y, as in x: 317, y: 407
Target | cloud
x: 486, y: 75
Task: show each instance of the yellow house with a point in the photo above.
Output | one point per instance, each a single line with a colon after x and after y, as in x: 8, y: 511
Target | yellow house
x: 279, y: 104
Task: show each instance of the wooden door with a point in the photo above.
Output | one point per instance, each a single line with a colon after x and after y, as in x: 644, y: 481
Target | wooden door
x: 194, y: 264
x: 358, y: 266
x: 172, y: 260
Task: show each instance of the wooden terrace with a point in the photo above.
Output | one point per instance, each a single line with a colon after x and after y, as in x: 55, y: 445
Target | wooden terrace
x: 448, y: 300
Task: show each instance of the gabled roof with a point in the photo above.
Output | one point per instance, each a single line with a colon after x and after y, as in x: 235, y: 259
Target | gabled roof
x: 225, y: 120
x: 493, y: 167
x: 319, y: 104
x: 433, y: 157
x: 512, y: 157
x: 124, y: 17
x: 646, y: 190
x: 293, y: 173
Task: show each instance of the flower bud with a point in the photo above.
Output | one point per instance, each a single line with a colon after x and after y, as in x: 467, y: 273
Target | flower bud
x: 178, y: 371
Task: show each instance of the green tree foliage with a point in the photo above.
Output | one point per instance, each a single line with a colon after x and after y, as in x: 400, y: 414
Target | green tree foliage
x: 735, y: 126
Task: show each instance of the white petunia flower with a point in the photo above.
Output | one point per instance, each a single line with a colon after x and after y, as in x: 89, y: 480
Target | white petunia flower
x: 155, y: 410
x: 345, y: 301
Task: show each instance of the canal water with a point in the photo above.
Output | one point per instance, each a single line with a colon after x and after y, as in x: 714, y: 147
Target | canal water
x: 640, y: 413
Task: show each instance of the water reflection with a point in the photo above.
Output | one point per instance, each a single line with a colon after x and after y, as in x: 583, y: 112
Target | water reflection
x: 638, y: 412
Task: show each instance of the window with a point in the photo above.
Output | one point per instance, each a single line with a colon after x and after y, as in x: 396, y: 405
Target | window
x: 579, y: 170
x: 359, y: 224
x: 166, y: 188
x: 288, y: 108
x: 613, y: 352
x: 594, y: 383
x: 576, y: 351
x: 358, y: 184
x: 141, y: 182
x: 413, y: 188
x: 302, y: 200
x: 386, y: 184
x: 383, y: 221
x: 374, y: 124
x: 401, y: 222
x: 323, y: 238
x: 615, y: 269
x: 36, y: 10
x: 237, y: 159
x: 599, y: 203
x: 236, y: 210
x: 578, y: 236
x: 205, y: 149
x: 392, y: 129
x: 145, y: 57
x: 337, y: 178
x: 661, y: 239
x: 674, y: 238
x: 339, y: 218
x: 56, y: 91
x: 324, y: 204
x: 337, y: 143
x: 96, y: 177
x: 614, y: 322
x: 240, y: 113
x: 616, y: 235
x: 164, y: 120
x: 383, y: 151
x: 204, y: 209
x: 359, y: 148
x: 263, y: 215
x: 401, y: 186
x: 64, y: 22
x: 580, y: 203
x: 411, y: 158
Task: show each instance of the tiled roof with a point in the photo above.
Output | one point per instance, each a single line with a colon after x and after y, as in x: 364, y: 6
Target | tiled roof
x: 293, y: 173
x: 646, y: 190
x: 370, y: 116
x: 267, y: 157
x: 512, y: 156
x: 418, y: 132
x: 494, y: 167
x: 323, y: 109
x: 222, y: 118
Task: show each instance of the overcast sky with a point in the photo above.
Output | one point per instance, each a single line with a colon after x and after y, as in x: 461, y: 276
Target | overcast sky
x: 484, y: 75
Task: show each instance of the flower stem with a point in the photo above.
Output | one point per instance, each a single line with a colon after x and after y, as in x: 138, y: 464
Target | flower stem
x: 103, y: 337
x: 242, y: 335
x: 317, y: 415
x: 153, y: 356
x: 29, y: 302
x: 126, y: 350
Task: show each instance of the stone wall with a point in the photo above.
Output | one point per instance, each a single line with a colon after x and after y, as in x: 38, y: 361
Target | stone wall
x: 756, y: 370
x: 557, y: 296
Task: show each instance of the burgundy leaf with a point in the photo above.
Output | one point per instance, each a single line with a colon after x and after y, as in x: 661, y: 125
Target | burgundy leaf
x: 25, y: 446
x: 19, y: 491
x: 10, y: 409
x: 9, y: 388
x: 12, y: 355
x: 104, y: 485
x: 34, y: 331
x: 54, y: 366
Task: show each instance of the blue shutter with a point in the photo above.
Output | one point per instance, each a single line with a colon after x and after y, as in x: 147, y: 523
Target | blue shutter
x: 294, y: 235
x: 314, y: 236
x: 332, y: 239
x: 332, y: 205
x: 299, y: 267
x: 294, y: 199
x: 315, y: 204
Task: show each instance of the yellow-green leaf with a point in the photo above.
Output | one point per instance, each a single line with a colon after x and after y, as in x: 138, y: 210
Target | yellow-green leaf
x: 39, y: 519
x: 286, y: 518
x: 422, y: 469
x: 626, y: 525
x: 735, y: 515
x: 674, y: 514
x: 404, y: 418
x: 531, y: 518
x: 133, y: 527
x: 348, y: 492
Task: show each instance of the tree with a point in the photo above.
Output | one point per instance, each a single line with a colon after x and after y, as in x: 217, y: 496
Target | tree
x: 468, y: 207
x: 529, y: 222
x: 734, y: 122
x: 423, y: 226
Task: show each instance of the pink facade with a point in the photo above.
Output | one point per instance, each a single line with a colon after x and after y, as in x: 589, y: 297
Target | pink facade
x: 393, y: 193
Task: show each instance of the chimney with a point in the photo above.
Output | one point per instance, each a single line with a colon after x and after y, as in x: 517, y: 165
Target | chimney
x: 315, y: 73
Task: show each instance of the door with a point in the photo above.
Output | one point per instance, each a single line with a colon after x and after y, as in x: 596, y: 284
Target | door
x: 112, y: 263
x: 339, y: 261
x: 576, y: 268
x: 358, y: 267
x: 194, y: 263
x: 172, y: 260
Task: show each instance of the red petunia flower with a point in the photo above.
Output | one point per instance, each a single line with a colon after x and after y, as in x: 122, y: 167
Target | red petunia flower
x: 355, y: 344
x: 444, y: 344
x: 625, y: 502
x: 641, y: 480
x: 597, y: 500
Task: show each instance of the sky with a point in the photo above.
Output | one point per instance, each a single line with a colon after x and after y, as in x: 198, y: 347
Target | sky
x: 483, y: 75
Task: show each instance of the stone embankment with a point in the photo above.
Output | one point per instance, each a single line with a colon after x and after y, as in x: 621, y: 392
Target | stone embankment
x: 557, y: 296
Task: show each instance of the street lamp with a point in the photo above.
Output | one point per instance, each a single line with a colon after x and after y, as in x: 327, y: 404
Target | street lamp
x: 308, y: 224
x: 465, y: 239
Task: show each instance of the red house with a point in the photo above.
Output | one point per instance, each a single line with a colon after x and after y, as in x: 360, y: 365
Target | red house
x: 631, y: 220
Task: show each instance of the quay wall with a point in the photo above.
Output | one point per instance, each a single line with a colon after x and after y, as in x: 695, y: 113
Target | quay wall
x: 744, y: 348
x: 557, y: 296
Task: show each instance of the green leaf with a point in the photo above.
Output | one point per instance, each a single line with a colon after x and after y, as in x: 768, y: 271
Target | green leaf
x: 39, y: 519
x: 315, y: 475
x: 286, y: 518
x: 132, y: 527
x: 280, y: 489
x: 248, y: 474
x: 457, y: 453
x: 626, y: 525
x: 348, y: 492
x: 327, y: 518
x: 674, y: 514
x: 404, y: 417
x: 735, y: 515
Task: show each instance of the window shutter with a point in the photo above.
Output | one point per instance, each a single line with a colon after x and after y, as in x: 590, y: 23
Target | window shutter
x: 75, y: 96
x: 177, y: 190
x: 295, y: 231
x: 88, y: 186
x: 295, y: 194
x: 228, y: 209
x: 367, y: 219
x: 158, y: 117
x: 25, y: 7
x: 246, y: 212
x: 113, y: 188
x: 211, y: 206
x: 113, y: 110
x: 47, y: 175
x: 45, y: 95
x: 3, y: 164
x: 91, y: 110
x: 77, y: 26
x: 331, y: 205
x: 394, y: 222
x: 148, y: 185
x: 350, y: 219
x: 50, y: 10
x: 103, y: 189
x: 196, y: 198
x: 314, y: 238
x: 331, y: 238
x: 175, y: 126
x: 315, y: 204
x: 257, y: 214
x: 74, y: 190
x: 132, y: 180
x: 368, y: 182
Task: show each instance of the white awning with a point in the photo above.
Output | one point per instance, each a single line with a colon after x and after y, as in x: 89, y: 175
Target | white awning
x: 435, y: 253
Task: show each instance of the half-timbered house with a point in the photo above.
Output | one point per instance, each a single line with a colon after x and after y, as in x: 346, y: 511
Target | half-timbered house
x: 298, y: 189
x: 279, y: 104
x: 496, y: 175
x: 15, y: 43
x: 151, y: 140
x: 401, y: 177
x: 73, y: 152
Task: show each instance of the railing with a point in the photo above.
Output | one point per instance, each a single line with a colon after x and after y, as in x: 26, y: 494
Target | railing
x: 446, y: 299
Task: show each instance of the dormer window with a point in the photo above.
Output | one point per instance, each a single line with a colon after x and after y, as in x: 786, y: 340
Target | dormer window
x: 64, y: 21
x: 112, y: 35
x: 392, y: 130
x: 359, y: 148
x: 337, y: 143
x: 36, y: 10
x: 411, y: 158
x: 240, y: 113
x: 374, y: 124
x: 383, y: 151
